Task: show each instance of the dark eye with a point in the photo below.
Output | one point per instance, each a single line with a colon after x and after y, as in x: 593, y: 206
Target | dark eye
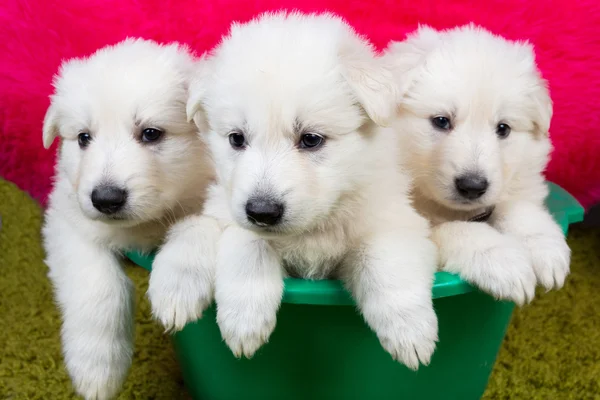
x: 84, y: 139
x: 151, y: 135
x: 311, y: 141
x: 441, y: 123
x: 237, y: 140
x: 503, y: 130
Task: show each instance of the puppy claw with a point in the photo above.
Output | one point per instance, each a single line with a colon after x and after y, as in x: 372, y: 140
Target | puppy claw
x: 245, y: 334
x: 504, y: 271
x: 413, y: 354
x: 409, y: 336
x: 551, y: 259
x: 175, y: 313
x: 178, y: 293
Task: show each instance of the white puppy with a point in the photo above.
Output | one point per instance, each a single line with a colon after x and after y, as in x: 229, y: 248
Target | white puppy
x: 129, y: 165
x: 474, y: 118
x: 308, y: 184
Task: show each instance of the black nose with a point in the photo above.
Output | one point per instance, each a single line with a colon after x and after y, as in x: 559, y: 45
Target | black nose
x: 108, y: 199
x: 264, y: 211
x: 471, y: 186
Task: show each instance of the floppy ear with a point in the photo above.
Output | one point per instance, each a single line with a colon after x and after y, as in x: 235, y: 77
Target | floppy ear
x: 404, y: 58
x: 50, y: 128
x: 543, y: 108
x: 370, y: 80
x: 540, y: 94
x: 197, y: 95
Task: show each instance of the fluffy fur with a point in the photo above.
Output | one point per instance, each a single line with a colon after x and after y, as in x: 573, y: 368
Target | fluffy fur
x: 481, y: 83
x: 346, y: 213
x: 114, y: 95
x: 565, y: 36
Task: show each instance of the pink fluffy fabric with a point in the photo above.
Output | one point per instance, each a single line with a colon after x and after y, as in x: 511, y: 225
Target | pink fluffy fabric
x: 35, y: 35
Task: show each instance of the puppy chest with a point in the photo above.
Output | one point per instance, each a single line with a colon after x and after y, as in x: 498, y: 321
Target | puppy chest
x: 311, y: 259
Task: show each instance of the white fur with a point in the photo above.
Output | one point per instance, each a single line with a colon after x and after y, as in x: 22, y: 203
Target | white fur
x: 479, y: 80
x: 499, y: 264
x: 182, y: 279
x: 347, y: 213
x: 114, y: 94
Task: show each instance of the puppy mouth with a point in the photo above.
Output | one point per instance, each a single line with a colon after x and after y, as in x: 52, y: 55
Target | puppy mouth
x: 467, y: 207
x: 465, y: 202
x: 116, y: 218
x: 120, y: 219
x: 270, y: 231
x: 123, y: 218
x: 266, y: 230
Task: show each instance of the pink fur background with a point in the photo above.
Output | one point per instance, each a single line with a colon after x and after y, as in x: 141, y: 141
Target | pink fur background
x: 35, y: 35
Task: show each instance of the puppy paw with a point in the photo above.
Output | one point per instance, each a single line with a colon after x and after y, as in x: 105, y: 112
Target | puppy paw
x: 246, y: 329
x: 180, y: 289
x: 504, y: 271
x: 99, y: 374
x: 551, y: 258
x: 408, y: 334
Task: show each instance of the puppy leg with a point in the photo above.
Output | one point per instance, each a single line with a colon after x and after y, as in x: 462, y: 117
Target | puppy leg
x: 496, y: 263
x: 533, y: 225
x: 391, y: 280
x: 95, y: 297
x: 249, y: 286
x: 182, y: 280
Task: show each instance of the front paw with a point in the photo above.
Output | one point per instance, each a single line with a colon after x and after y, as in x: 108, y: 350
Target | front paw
x: 98, y: 374
x: 408, y: 334
x: 180, y: 289
x: 245, y: 329
x: 551, y: 257
x: 504, y: 271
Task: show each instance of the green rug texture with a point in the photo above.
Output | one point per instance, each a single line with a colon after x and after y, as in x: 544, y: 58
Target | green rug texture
x: 552, y: 349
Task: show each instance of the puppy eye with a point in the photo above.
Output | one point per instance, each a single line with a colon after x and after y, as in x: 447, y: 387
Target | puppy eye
x: 151, y: 135
x: 503, y: 130
x: 237, y: 140
x: 441, y: 123
x: 84, y: 140
x: 311, y: 141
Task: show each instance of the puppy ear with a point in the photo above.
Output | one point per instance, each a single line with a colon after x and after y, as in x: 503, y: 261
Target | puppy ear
x: 405, y: 58
x: 370, y: 80
x: 50, y: 128
x: 542, y: 109
x: 197, y: 95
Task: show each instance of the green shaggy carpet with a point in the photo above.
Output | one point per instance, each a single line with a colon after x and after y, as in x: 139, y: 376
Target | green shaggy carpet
x: 552, y: 350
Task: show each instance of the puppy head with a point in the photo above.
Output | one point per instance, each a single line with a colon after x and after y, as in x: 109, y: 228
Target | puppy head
x: 474, y: 112
x: 127, y: 148
x: 289, y: 103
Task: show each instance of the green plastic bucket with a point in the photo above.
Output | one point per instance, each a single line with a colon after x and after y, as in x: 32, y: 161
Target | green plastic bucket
x: 322, y: 349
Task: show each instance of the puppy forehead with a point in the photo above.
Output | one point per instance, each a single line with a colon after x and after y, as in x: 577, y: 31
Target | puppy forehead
x: 322, y: 108
x: 269, y: 75
x: 276, y: 67
x: 123, y: 86
x: 474, y: 79
x: 132, y: 78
